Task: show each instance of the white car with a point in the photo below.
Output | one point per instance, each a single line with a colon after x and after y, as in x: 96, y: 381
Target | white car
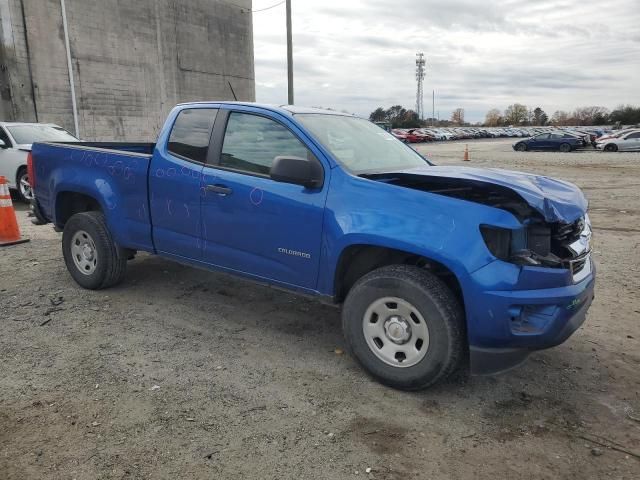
x: 627, y: 142
x: 15, y: 145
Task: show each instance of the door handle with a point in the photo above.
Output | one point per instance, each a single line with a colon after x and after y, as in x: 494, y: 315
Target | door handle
x: 219, y: 189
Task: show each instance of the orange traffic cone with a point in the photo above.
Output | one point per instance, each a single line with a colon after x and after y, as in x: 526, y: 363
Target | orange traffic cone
x: 9, y: 231
x: 466, y: 153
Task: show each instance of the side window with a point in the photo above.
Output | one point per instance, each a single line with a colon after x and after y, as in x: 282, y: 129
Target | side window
x: 191, y: 133
x: 542, y: 136
x: 252, y: 142
x: 634, y: 135
x: 5, y: 138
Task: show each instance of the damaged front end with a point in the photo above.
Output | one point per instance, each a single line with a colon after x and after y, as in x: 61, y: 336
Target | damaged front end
x: 551, y: 245
x: 555, y: 232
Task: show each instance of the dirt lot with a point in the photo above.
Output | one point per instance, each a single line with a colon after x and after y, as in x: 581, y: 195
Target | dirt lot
x: 181, y: 373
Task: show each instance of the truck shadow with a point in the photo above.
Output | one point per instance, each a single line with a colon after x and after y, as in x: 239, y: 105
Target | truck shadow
x: 242, y: 301
x: 313, y: 331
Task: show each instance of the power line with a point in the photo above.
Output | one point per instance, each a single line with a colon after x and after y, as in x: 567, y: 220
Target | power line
x: 268, y: 8
x: 243, y: 10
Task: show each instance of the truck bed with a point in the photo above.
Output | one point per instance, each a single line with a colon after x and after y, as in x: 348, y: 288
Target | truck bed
x: 113, y: 172
x: 131, y: 147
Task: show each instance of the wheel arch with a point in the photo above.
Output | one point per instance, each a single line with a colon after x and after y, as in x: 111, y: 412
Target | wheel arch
x: 356, y: 260
x: 68, y: 203
x: 18, y: 172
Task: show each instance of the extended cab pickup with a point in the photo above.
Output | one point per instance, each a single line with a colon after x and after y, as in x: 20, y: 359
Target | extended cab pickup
x: 433, y: 265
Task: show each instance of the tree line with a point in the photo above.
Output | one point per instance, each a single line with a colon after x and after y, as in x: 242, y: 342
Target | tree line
x: 516, y: 114
x: 399, y: 117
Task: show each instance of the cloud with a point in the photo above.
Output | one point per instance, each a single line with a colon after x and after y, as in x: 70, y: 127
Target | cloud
x: 359, y: 55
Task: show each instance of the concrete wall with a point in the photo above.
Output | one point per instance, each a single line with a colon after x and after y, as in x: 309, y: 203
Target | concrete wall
x: 132, y: 61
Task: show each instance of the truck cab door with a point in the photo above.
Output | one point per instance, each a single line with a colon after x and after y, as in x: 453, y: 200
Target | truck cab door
x: 174, y: 183
x: 252, y: 224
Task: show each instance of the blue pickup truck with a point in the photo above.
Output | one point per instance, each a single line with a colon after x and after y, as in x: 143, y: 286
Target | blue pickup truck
x: 435, y: 267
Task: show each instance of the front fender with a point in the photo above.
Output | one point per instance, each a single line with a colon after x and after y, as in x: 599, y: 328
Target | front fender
x: 366, y: 212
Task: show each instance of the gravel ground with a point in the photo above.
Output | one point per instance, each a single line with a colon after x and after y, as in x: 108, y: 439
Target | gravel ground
x: 182, y: 373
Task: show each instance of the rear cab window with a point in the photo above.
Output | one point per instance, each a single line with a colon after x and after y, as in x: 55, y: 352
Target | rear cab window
x: 191, y: 132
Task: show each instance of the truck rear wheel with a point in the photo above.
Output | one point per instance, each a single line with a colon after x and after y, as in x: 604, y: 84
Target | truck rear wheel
x: 92, y: 257
x: 404, y: 326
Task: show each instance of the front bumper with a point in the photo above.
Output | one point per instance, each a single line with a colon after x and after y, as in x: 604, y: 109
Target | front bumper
x: 513, y: 323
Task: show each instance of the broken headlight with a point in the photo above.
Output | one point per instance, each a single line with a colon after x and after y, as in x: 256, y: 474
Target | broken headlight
x: 529, y: 246
x: 543, y: 244
x: 498, y: 241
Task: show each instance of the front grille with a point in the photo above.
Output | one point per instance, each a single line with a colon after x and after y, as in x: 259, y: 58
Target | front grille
x: 578, y: 264
x: 565, y: 234
x: 561, y: 245
x: 569, y: 240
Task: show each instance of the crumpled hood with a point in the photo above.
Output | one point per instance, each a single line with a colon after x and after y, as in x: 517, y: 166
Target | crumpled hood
x: 556, y: 200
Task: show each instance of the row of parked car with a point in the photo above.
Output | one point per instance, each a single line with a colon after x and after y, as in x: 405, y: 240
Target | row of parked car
x: 415, y: 135
x: 564, y: 139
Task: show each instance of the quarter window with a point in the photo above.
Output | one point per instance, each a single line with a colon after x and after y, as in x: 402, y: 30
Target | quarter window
x: 251, y: 143
x: 191, y: 133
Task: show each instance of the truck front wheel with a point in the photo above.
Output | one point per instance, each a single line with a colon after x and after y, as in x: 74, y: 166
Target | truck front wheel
x: 404, y: 326
x: 92, y: 257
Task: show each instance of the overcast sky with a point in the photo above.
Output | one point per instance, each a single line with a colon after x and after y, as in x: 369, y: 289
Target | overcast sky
x: 356, y: 55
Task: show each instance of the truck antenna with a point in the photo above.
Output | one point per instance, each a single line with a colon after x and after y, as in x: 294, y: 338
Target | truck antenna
x: 234, y: 93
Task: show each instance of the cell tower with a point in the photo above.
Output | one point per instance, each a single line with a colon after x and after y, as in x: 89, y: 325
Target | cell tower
x: 420, y: 68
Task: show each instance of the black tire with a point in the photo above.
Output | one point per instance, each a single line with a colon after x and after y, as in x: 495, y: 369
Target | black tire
x: 111, y: 260
x: 38, y: 217
x: 565, y: 148
x: 612, y: 147
x: 22, y: 173
x: 521, y: 147
x: 437, y: 305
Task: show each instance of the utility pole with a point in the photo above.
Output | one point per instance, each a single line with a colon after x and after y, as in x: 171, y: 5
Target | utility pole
x: 289, y: 56
x: 433, y: 106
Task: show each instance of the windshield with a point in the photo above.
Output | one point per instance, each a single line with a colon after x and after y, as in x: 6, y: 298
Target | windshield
x: 359, y: 145
x: 27, y: 134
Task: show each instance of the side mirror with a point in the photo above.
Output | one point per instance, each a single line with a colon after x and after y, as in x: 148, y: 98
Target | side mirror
x: 2, y: 144
x: 299, y: 171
